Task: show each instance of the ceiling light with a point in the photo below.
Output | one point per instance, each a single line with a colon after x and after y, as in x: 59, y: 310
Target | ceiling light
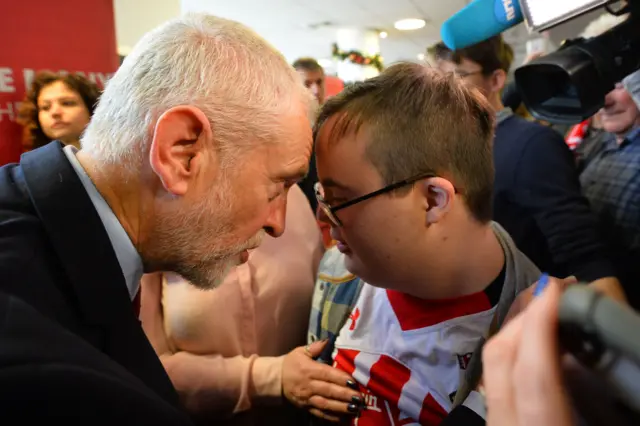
x: 421, y: 56
x: 409, y: 24
x: 383, y: 34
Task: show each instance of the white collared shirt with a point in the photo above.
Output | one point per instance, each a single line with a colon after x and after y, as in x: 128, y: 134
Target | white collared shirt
x: 128, y: 257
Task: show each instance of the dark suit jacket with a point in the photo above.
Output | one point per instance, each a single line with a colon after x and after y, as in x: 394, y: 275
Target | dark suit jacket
x: 48, y: 373
x: 56, y: 256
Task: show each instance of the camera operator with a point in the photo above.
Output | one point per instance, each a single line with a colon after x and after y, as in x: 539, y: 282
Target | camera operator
x: 528, y: 378
x: 610, y: 179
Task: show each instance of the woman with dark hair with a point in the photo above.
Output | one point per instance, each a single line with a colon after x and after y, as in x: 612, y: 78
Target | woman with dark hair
x: 57, y: 107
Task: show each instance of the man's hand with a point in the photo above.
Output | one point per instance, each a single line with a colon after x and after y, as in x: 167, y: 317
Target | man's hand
x: 524, y: 298
x: 532, y: 56
x: 323, y: 390
x: 611, y: 287
x: 608, y: 286
x: 522, y: 368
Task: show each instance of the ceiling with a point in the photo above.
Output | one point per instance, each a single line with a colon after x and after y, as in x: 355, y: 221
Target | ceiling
x: 308, y: 27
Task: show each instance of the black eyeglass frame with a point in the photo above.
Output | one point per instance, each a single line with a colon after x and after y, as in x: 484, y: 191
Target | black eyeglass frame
x: 331, y: 211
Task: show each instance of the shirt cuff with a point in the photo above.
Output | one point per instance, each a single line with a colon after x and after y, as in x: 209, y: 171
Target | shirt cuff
x: 476, y: 403
x: 266, y: 377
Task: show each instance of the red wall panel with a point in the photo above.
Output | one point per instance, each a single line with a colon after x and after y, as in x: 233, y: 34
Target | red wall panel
x: 35, y: 35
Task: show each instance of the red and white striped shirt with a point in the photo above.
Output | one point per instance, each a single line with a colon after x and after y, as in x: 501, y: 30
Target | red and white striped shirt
x: 408, y: 355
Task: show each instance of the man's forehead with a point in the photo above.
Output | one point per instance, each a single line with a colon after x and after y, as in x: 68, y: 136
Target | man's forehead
x: 311, y: 74
x: 468, y: 63
x: 447, y: 65
x: 297, y: 140
x: 285, y: 161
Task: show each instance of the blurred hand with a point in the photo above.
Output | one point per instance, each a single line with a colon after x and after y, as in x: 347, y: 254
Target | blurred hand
x: 608, y: 286
x: 524, y: 298
x: 530, y: 57
x: 522, y: 367
x: 315, y: 386
x: 611, y: 287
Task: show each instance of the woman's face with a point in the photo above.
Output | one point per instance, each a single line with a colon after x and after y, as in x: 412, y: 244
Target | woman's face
x: 62, y: 113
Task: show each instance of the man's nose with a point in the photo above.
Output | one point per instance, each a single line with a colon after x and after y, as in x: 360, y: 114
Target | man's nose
x: 275, y: 222
x: 611, y: 98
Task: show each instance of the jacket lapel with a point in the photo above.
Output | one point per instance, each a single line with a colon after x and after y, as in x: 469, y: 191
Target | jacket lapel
x: 77, y: 234
x: 85, y: 251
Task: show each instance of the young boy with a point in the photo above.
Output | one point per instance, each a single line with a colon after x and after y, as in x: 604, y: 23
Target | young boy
x: 419, y: 272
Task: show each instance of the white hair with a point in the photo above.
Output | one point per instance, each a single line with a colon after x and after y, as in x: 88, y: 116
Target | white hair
x: 240, y: 82
x: 602, y: 24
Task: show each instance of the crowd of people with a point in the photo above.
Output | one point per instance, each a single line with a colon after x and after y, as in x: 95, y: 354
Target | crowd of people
x: 238, y: 249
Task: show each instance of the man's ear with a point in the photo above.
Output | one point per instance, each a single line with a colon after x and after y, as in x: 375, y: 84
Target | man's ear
x: 437, y: 196
x: 181, y: 139
x: 498, y: 80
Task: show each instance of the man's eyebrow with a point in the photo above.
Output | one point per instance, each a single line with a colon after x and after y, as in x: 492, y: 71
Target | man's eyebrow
x: 300, y: 174
x: 329, y: 183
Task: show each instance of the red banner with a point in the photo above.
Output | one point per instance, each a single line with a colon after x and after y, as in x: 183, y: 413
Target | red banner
x: 332, y: 86
x: 36, y: 35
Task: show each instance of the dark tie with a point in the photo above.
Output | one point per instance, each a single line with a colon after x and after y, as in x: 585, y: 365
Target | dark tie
x: 136, y: 304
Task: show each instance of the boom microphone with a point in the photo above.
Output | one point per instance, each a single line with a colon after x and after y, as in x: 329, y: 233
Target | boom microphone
x: 480, y: 20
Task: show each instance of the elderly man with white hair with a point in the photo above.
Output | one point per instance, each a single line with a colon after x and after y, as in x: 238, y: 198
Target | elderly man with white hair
x: 184, y: 167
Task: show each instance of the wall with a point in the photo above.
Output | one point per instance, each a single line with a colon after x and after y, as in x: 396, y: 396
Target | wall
x: 70, y: 35
x: 136, y: 17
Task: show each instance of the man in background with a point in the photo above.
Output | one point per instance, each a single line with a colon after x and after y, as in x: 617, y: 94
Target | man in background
x: 537, y: 196
x: 313, y: 77
x: 611, y: 183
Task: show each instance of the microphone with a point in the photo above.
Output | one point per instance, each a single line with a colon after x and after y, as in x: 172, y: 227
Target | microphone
x: 480, y: 20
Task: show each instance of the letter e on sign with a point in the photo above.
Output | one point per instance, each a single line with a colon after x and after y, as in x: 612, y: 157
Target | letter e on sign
x: 6, y: 81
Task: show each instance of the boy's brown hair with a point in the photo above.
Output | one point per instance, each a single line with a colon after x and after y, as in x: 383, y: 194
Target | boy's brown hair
x: 417, y: 121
